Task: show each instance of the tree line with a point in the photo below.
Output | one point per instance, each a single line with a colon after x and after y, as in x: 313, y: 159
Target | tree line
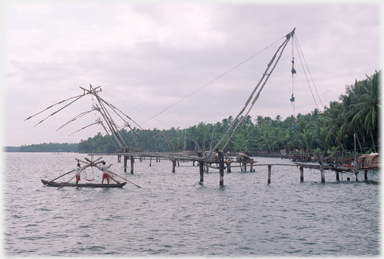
x: 354, y: 117
x: 45, y: 147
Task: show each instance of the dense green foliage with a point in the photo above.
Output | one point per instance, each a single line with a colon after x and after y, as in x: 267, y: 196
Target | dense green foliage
x: 51, y: 147
x: 356, y: 113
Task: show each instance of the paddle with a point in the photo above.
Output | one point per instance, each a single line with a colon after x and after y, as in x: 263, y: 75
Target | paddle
x: 125, y: 179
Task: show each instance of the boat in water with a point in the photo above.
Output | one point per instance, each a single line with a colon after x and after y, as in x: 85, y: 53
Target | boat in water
x: 92, y: 185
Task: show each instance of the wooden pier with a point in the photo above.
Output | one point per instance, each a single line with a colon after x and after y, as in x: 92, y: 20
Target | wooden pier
x: 221, y: 162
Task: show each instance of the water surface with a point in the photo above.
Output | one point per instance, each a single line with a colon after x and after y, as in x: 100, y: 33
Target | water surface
x: 175, y: 215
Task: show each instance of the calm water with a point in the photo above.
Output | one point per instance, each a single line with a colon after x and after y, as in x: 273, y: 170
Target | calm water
x: 174, y: 215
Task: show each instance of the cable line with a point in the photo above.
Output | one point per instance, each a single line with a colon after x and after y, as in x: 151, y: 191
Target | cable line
x: 212, y: 81
x: 314, y: 85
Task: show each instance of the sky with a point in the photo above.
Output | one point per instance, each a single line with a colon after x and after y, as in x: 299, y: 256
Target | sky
x: 186, y: 63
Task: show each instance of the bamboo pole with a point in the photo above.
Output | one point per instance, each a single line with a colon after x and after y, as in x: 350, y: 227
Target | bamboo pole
x: 84, y: 128
x: 61, y: 186
x: 114, y: 179
x: 52, y: 106
x: 75, y: 118
x: 63, y: 175
x: 125, y: 179
x: 73, y: 177
x: 60, y: 109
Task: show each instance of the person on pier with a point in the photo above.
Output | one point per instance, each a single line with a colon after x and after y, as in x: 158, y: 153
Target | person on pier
x: 105, y: 168
x: 78, y: 169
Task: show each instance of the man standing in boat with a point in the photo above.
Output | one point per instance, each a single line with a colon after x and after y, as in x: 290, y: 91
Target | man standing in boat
x: 78, y: 169
x: 105, y: 168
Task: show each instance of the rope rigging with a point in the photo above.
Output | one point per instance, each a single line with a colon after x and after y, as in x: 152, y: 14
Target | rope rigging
x: 270, y: 67
x: 303, y: 61
x: 293, y: 71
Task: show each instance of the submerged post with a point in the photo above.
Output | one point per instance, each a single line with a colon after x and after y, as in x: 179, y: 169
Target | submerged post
x: 269, y: 173
x: 337, y: 176
x: 119, y: 158
x: 322, y: 175
x: 228, y: 166
x: 366, y: 174
x: 173, y: 165
x: 356, y: 173
x: 221, y: 166
x: 201, y: 166
x: 301, y: 174
x: 125, y: 163
x: 132, y: 162
x: 251, y: 166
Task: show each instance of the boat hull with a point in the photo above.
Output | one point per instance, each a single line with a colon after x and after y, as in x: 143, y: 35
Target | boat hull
x: 91, y: 185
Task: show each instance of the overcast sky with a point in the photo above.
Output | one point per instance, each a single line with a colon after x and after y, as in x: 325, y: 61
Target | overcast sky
x: 149, y: 57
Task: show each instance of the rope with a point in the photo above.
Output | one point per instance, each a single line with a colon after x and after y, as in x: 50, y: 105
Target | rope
x: 189, y: 95
x: 293, y: 71
x: 301, y: 55
x: 263, y: 78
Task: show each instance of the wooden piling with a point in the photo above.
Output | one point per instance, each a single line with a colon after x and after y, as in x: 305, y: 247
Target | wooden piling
x: 173, y: 165
x: 301, y: 174
x: 150, y: 161
x: 251, y: 165
x: 228, y: 167
x: 337, y: 176
x: 119, y: 158
x: 125, y: 163
x: 322, y: 175
x: 366, y: 175
x: 269, y: 173
x: 132, y: 162
x: 221, y: 165
x: 356, y: 173
x: 201, y: 166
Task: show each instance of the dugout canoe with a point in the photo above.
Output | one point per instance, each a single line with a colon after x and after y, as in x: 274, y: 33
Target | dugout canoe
x: 92, y: 185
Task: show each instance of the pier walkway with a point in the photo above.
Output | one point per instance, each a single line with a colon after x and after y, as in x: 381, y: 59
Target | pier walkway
x: 228, y: 163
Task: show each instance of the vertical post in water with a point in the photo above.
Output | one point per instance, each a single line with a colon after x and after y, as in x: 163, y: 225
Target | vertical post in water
x: 119, y: 158
x: 322, y: 175
x: 269, y: 173
x: 366, y: 174
x: 337, y: 176
x: 173, y: 165
x: 150, y: 161
x: 221, y: 166
x: 132, y: 162
x: 201, y: 166
x: 228, y: 166
x: 251, y: 166
x: 301, y: 174
x: 125, y: 163
x: 356, y: 173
